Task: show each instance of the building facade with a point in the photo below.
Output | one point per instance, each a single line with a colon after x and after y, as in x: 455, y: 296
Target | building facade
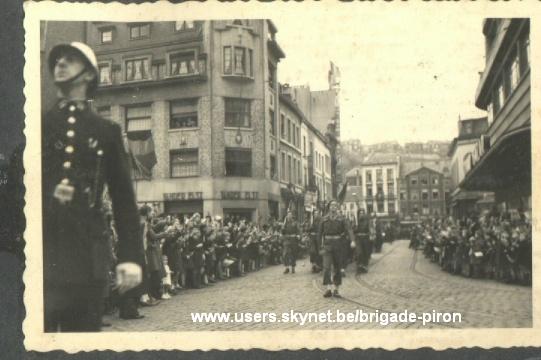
x: 422, y: 194
x: 200, y: 108
x: 470, y: 133
x: 502, y: 163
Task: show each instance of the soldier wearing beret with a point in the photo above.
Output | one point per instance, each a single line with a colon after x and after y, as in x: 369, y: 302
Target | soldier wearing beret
x: 82, y: 154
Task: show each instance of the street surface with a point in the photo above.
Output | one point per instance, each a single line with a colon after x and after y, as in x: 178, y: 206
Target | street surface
x: 399, y: 279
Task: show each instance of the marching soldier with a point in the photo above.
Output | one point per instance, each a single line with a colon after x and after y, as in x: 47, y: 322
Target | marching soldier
x: 291, y: 234
x: 82, y: 153
x: 363, y: 243
x: 333, y: 229
x: 315, y: 256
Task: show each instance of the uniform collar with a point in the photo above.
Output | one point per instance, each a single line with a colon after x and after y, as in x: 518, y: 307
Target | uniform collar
x: 79, y: 104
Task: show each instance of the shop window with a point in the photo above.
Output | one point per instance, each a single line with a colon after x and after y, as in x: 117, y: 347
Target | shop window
x: 238, y: 162
x: 184, y: 163
x: 182, y: 63
x: 237, y: 113
x: 139, y: 31
x: 137, y: 69
x: 104, y: 73
x: 183, y: 114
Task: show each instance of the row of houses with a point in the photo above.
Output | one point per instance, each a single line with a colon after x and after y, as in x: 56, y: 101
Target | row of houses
x: 488, y: 164
x: 209, y: 127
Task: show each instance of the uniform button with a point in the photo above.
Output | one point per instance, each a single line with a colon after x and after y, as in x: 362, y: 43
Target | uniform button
x: 70, y: 133
x: 71, y: 120
x: 72, y: 108
x: 65, y: 181
x: 67, y: 164
x: 69, y: 149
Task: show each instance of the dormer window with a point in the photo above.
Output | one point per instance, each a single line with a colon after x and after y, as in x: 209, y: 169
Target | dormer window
x: 184, y: 25
x: 139, y: 31
x: 106, y: 36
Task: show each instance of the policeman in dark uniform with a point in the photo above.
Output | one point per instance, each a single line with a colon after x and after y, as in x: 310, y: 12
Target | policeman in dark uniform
x: 315, y: 245
x: 363, y: 244
x: 291, y: 234
x: 81, y: 153
x: 333, y: 229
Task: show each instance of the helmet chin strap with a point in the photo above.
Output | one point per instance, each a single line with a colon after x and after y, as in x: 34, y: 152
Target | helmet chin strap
x: 71, y: 79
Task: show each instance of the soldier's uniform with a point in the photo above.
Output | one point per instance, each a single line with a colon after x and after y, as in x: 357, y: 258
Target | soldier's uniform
x: 363, y: 244
x: 290, y: 238
x: 82, y: 152
x: 315, y: 245
x: 333, y: 230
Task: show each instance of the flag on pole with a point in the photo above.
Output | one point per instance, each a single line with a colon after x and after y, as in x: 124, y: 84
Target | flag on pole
x: 142, y: 153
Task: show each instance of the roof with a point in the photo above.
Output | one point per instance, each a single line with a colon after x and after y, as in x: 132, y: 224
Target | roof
x: 357, y: 190
x: 380, y: 158
x: 353, y: 171
x: 409, y: 167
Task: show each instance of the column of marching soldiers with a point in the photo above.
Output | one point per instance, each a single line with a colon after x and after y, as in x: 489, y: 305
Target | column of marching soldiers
x: 191, y: 252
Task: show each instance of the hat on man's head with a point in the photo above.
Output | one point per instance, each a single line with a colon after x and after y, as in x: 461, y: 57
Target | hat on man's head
x: 84, y: 51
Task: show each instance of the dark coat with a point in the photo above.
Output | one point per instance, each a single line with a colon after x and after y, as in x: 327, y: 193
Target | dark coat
x: 75, y: 246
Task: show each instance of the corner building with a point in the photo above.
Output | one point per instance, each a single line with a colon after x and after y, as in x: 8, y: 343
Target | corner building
x: 206, y: 93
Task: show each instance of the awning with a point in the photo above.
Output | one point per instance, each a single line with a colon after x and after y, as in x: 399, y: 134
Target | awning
x: 505, y: 163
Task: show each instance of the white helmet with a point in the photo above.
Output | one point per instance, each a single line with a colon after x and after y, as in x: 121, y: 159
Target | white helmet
x: 84, y: 50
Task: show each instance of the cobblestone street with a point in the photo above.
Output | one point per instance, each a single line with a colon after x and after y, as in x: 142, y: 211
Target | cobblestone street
x: 399, y: 279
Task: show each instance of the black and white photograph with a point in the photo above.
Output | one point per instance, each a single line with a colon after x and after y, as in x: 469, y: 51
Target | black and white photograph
x: 269, y: 173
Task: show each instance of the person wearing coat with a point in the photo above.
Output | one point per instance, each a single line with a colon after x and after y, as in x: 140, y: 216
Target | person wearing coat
x: 82, y: 154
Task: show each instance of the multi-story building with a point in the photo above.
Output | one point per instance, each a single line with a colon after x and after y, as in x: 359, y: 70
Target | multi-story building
x: 502, y: 163
x: 352, y: 145
x: 378, y: 179
x: 470, y: 132
x: 422, y: 193
x: 200, y: 107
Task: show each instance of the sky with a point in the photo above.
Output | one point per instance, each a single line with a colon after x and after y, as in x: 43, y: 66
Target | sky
x: 404, y: 76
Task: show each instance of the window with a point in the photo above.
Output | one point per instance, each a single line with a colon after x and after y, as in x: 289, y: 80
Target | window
x: 138, y: 118
x: 182, y: 63
x: 183, y: 114
x: 402, y: 195
x: 283, y: 168
x: 424, y: 180
x: 104, y: 112
x: 390, y: 207
x: 379, y: 189
x: 426, y: 210
x: 424, y: 195
x: 380, y: 206
x: 413, y: 180
x: 369, y: 191
x: 390, y: 189
x: 514, y: 72
x: 369, y: 208
x: 379, y: 175
x: 299, y: 175
x: 272, y: 123
x: 137, y: 69
x: 228, y: 60
x: 237, y: 112
x: 273, y: 167
x: 289, y: 169
x: 288, y: 130
x: 305, y: 176
x: 238, y: 162
x: 272, y: 76
x: 184, y: 163
x: 304, y: 145
x: 105, y: 73
x: 435, y: 180
x: 238, y: 61
x: 368, y: 176
x: 415, y: 195
x: 106, y: 36
x: 435, y: 195
x: 282, y: 126
x: 184, y: 25
x: 390, y: 175
x: 140, y: 31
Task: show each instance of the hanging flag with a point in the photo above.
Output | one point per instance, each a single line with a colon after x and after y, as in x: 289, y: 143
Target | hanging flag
x: 342, y: 193
x: 142, y: 153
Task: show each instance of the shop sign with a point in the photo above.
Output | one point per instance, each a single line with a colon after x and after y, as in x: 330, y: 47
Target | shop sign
x: 240, y: 195
x: 183, y: 196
